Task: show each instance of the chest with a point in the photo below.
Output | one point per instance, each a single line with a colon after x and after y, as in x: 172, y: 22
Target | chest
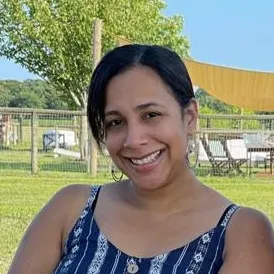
x: 89, y: 251
x: 147, y: 235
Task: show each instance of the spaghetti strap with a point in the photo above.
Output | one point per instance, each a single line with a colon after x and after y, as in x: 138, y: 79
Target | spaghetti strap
x: 89, y: 251
x: 94, y: 193
x: 229, y: 211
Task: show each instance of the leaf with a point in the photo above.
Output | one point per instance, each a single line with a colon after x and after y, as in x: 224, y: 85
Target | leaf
x: 53, y: 38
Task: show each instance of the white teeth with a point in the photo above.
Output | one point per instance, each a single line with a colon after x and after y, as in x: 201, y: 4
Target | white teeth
x: 147, y: 160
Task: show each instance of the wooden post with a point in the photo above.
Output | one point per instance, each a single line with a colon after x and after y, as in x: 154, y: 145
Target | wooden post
x: 2, y: 130
x: 208, y: 123
x: 56, y: 137
x: 75, y: 129
x: 82, y: 139
x: 20, y: 135
x: 34, y: 147
x: 7, y: 124
x: 14, y: 133
x: 96, y: 54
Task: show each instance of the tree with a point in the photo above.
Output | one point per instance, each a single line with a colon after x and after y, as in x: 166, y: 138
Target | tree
x: 26, y: 100
x: 30, y: 94
x: 210, y: 105
x: 5, y: 95
x: 50, y: 97
x: 52, y: 38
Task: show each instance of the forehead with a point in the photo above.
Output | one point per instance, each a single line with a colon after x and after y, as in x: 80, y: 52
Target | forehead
x: 137, y: 86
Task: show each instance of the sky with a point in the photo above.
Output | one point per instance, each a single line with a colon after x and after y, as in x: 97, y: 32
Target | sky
x: 233, y: 33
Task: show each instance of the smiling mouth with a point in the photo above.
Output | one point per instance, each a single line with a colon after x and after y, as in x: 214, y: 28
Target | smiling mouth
x: 149, y: 159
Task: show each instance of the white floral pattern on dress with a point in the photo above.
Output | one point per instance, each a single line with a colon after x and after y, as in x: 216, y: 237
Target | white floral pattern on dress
x: 100, y: 254
x: 177, y: 264
x: 200, y: 253
x: 77, y: 232
x: 208, y: 244
x: 157, y: 263
x: 118, y: 255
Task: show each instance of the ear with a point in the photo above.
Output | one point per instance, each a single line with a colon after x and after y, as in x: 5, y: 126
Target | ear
x: 191, y: 116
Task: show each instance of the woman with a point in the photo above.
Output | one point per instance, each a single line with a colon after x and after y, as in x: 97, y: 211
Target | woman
x: 141, y: 107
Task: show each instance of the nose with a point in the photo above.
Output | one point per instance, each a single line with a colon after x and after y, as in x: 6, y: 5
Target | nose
x: 135, y: 136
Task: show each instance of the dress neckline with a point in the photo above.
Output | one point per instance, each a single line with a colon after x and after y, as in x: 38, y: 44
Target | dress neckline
x: 179, y: 249
x: 174, y: 250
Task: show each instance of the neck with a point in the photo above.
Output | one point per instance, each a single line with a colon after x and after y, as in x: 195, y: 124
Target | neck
x: 175, y: 195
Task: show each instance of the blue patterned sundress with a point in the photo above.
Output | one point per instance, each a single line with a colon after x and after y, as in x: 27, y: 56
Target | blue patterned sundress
x: 88, y: 251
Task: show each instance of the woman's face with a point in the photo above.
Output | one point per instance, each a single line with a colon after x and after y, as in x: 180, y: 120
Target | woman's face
x: 146, y: 135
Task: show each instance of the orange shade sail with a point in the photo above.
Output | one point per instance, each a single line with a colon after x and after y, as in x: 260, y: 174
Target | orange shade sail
x: 246, y: 89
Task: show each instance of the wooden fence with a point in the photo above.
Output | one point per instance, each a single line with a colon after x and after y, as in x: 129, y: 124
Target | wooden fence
x: 60, y: 140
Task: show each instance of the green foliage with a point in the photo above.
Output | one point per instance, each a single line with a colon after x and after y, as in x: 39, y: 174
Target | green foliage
x: 30, y: 94
x: 211, y: 105
x: 5, y: 95
x: 53, y: 38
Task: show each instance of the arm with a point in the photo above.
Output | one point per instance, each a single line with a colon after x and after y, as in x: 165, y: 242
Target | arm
x: 249, y: 247
x: 41, y: 246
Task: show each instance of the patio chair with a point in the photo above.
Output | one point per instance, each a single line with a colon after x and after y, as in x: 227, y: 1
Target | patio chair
x: 237, y: 152
x: 217, y: 155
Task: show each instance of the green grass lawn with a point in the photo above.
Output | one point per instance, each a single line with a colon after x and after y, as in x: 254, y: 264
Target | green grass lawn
x: 22, y: 196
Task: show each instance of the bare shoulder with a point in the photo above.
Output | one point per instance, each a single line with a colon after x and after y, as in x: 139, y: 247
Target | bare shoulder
x: 75, y: 193
x: 251, y: 221
x: 249, y: 246
x: 68, y: 199
x: 73, y: 189
x: 62, y: 207
x: 70, y: 202
x: 41, y: 246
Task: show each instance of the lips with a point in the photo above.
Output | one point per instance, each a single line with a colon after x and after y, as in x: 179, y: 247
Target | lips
x: 148, y: 159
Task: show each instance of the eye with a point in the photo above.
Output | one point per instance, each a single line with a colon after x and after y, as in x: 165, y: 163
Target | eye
x: 114, y: 123
x: 152, y: 114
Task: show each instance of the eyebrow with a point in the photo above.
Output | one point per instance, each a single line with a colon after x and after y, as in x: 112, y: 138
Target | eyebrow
x: 149, y: 104
x: 138, y: 108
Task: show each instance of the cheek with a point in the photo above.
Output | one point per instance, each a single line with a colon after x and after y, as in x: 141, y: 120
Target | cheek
x: 114, y: 143
x: 173, y: 129
x: 177, y: 138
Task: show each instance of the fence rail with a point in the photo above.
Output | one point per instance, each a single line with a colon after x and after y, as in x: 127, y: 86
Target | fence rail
x: 5, y: 110
x: 59, y: 140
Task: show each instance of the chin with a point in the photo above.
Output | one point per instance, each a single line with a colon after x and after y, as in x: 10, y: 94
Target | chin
x: 148, y: 183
